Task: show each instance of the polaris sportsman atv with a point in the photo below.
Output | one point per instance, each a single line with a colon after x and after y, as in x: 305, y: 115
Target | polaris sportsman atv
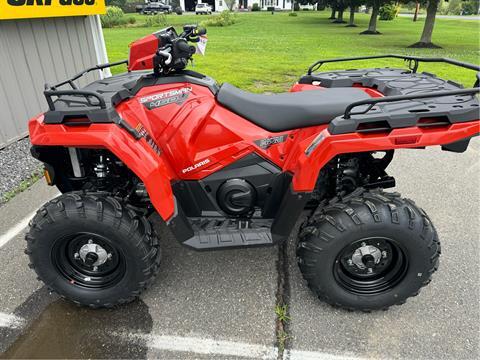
x: 225, y: 168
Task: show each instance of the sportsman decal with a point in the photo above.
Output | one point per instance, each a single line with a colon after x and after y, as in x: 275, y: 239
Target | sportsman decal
x: 177, y: 96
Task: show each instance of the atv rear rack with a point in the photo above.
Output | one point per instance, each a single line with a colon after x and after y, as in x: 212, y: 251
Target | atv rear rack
x: 372, y: 102
x: 409, y: 98
x: 413, y: 62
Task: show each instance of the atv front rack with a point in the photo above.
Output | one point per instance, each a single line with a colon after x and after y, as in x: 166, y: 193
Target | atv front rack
x: 83, y: 73
x: 91, y: 104
x: 52, y: 90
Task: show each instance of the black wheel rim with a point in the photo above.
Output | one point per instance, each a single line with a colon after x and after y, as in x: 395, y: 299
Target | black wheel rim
x: 78, y: 271
x: 368, y: 274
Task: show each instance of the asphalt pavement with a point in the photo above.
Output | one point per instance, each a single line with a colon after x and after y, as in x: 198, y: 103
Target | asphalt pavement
x: 221, y: 304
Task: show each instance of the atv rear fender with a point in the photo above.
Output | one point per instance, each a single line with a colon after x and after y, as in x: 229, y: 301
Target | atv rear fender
x: 318, y: 150
x: 137, y: 155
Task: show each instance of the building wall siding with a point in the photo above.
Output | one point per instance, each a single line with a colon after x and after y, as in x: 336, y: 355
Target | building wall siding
x: 38, y: 51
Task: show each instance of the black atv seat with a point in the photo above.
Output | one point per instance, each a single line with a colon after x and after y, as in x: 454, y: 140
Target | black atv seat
x: 292, y: 110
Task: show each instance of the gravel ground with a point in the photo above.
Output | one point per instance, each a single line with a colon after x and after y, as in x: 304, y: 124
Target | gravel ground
x: 16, y: 165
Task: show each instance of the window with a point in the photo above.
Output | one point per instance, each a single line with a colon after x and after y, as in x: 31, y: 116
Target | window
x: 220, y: 3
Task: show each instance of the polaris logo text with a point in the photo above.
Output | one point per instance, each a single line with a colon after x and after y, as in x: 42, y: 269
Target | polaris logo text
x: 196, y: 166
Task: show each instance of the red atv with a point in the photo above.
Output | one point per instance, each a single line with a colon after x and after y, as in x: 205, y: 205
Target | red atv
x: 225, y: 168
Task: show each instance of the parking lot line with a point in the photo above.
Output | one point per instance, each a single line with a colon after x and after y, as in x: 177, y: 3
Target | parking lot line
x: 206, y: 346
x: 317, y: 355
x: 227, y: 348
x: 10, y: 321
x: 15, y: 230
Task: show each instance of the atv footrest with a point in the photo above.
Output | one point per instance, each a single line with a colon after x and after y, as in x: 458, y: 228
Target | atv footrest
x: 213, y: 233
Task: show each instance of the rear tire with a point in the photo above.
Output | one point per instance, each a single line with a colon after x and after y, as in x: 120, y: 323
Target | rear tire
x: 368, y: 251
x: 93, y: 250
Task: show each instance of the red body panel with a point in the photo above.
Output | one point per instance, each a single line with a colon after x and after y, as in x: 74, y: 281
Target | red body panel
x: 198, y: 137
x: 141, y: 53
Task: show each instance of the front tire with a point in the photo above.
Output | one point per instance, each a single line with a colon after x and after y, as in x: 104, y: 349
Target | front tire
x: 92, y: 249
x: 368, y: 251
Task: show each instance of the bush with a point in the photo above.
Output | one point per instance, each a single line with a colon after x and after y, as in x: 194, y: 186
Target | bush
x: 225, y: 18
x: 291, y: 13
x: 114, y: 16
x: 155, y: 20
x: 255, y: 7
x: 388, y: 12
x: 178, y: 10
x: 130, y: 7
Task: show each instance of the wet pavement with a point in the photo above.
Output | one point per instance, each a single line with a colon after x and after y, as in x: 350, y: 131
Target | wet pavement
x: 220, y: 305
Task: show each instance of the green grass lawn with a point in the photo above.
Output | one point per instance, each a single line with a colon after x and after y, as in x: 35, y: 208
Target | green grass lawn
x: 264, y: 52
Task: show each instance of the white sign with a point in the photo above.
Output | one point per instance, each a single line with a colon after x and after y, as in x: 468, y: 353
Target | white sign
x: 202, y: 45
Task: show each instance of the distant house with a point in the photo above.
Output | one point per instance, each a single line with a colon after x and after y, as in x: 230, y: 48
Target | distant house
x: 220, y: 5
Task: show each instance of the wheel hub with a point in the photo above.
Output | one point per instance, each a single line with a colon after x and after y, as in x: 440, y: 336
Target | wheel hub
x: 93, y: 254
x: 370, y: 265
x: 366, y: 256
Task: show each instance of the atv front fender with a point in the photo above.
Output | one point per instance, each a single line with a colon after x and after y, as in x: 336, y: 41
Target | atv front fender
x: 151, y: 168
x: 318, y: 150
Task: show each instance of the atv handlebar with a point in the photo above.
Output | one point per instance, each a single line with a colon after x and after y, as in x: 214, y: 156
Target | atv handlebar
x: 175, y: 51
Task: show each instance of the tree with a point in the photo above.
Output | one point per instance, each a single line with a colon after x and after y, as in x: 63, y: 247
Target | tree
x: 471, y: 7
x: 337, y: 6
x: 333, y: 6
x: 340, y: 9
x: 119, y: 3
x: 230, y: 4
x: 372, y: 24
x: 417, y: 8
x: 426, y: 37
x: 353, y: 4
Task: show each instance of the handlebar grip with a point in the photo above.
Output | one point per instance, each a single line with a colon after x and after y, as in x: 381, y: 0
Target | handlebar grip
x: 182, y: 46
x: 201, y: 31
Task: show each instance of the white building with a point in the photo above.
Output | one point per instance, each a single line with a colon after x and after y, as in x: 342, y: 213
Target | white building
x: 35, y: 51
x: 220, y: 5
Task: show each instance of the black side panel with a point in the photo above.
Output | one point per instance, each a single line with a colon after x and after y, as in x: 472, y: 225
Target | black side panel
x: 180, y: 225
x: 193, y: 198
x: 288, y: 213
x: 201, y: 198
x: 279, y: 187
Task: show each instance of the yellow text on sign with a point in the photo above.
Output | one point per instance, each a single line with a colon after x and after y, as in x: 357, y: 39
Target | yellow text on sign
x: 23, y: 9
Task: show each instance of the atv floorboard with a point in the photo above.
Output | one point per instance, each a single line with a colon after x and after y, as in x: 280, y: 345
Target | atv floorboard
x: 211, y: 233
